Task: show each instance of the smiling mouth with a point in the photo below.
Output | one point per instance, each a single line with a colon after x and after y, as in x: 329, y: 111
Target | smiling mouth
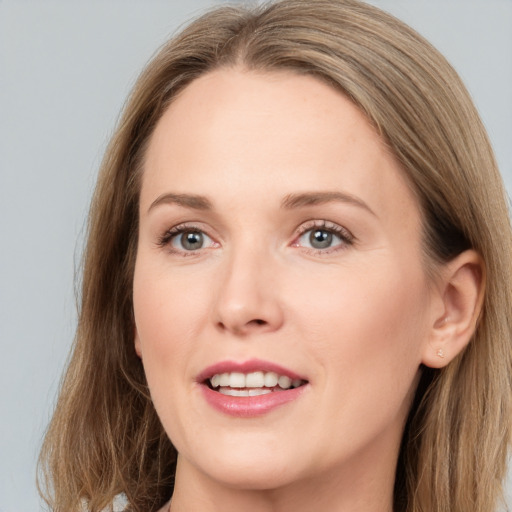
x: 252, y: 384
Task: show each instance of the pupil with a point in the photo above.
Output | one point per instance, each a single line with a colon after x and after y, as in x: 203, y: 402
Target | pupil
x: 192, y: 240
x: 320, y: 239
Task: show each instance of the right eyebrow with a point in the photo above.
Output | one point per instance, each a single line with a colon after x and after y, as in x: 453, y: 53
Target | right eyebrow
x: 313, y: 198
x: 192, y: 201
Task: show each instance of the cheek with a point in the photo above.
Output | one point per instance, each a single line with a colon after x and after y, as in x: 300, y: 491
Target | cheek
x: 371, y: 319
x: 166, y: 306
x: 167, y: 314
x: 364, y: 331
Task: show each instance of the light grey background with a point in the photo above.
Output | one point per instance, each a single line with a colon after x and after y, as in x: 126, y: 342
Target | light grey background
x: 65, y: 70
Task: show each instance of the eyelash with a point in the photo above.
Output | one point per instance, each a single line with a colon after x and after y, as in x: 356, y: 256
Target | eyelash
x: 342, y: 233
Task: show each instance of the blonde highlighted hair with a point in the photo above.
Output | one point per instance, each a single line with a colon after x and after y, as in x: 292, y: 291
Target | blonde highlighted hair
x: 105, y: 437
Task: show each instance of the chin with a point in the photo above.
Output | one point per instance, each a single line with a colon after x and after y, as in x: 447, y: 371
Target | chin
x: 256, y: 477
x: 259, y: 468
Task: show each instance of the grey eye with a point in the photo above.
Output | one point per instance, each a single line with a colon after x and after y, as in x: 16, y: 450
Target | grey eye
x: 189, y: 241
x: 320, y: 238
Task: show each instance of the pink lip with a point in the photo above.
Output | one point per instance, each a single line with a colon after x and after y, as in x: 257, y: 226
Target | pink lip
x: 248, y: 406
x: 252, y: 365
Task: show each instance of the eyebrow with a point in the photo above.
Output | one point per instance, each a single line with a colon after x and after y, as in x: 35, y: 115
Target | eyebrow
x: 194, y: 202
x: 292, y: 201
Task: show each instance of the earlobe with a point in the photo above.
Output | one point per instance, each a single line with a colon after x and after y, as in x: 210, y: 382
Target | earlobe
x: 461, y: 292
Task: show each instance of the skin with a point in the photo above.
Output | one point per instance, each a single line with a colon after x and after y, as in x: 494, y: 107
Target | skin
x: 356, y: 319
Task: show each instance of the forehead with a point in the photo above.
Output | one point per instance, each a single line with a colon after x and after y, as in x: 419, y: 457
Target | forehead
x: 234, y: 132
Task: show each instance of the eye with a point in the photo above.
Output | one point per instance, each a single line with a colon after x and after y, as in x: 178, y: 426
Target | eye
x: 186, y: 239
x: 322, y: 236
x: 319, y: 239
x: 189, y: 240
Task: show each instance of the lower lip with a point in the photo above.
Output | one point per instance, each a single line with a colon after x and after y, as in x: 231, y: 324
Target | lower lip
x: 250, y: 406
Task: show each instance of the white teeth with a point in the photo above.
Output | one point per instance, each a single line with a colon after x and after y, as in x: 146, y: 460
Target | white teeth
x: 224, y: 380
x: 271, y: 379
x: 257, y: 392
x: 244, y: 392
x: 234, y: 392
x: 256, y: 381
x: 215, y: 380
x: 236, y: 380
x: 284, y: 382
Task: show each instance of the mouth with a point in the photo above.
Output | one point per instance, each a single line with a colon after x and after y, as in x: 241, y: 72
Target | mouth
x: 252, y: 388
x: 252, y: 384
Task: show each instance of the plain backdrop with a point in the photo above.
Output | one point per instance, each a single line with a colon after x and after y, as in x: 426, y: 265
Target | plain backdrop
x: 65, y: 69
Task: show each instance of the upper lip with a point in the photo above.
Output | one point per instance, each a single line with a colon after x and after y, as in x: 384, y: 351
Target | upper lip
x: 251, y: 365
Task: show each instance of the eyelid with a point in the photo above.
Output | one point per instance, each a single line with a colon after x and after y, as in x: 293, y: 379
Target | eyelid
x: 328, y: 226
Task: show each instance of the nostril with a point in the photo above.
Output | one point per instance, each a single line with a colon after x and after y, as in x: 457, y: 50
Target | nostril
x: 255, y: 322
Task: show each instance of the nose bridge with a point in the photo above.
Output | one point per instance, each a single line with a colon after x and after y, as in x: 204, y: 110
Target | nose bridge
x: 247, y: 296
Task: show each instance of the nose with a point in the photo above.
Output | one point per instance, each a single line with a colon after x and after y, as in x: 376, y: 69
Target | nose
x: 248, y: 298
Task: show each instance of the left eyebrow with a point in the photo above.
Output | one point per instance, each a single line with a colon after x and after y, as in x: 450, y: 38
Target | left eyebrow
x: 191, y: 201
x: 314, y: 198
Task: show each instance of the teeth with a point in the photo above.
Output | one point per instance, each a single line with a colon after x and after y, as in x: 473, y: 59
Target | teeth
x: 271, y: 379
x: 224, y: 379
x: 284, y: 382
x: 236, y: 383
x: 257, y: 392
x: 237, y: 380
x: 234, y: 392
x: 255, y: 380
x: 244, y: 392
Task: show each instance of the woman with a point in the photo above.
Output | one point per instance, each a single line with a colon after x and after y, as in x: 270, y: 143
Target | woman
x: 296, y: 288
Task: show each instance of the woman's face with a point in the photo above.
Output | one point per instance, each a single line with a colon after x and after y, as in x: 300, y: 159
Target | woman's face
x: 278, y: 241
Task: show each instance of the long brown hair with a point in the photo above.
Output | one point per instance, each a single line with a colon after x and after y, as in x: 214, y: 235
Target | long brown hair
x: 105, y: 437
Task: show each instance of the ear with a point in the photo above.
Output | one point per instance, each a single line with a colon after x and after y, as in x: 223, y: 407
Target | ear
x: 138, y: 349
x: 460, y: 292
